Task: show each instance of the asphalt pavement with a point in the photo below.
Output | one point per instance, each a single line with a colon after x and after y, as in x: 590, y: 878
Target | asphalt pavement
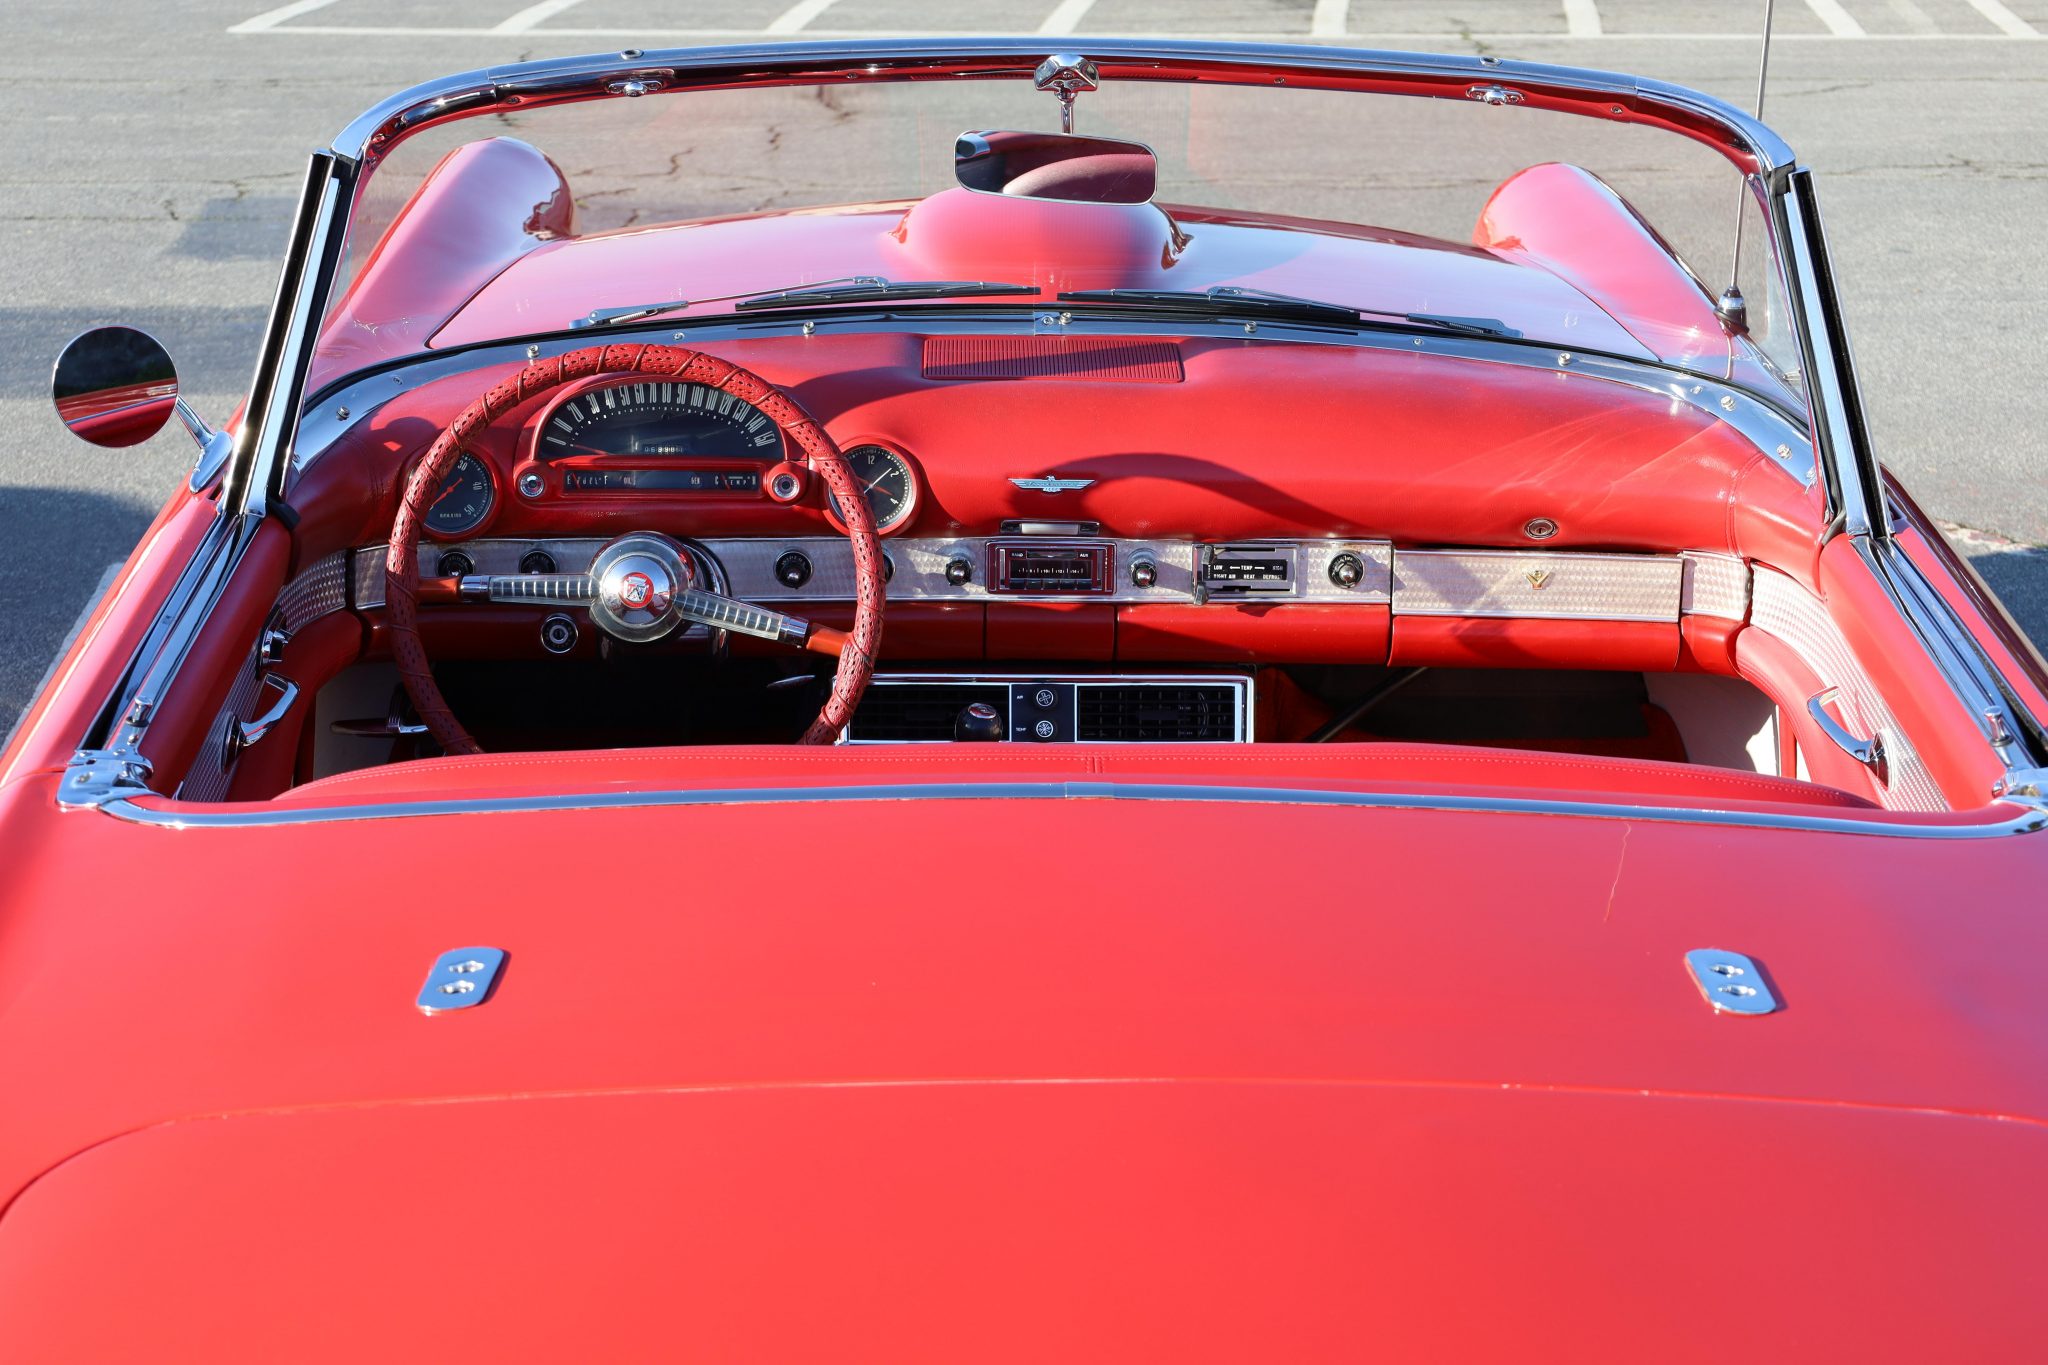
x: 154, y: 149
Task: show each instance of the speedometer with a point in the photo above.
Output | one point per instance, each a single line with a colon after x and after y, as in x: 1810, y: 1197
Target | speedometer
x: 657, y: 417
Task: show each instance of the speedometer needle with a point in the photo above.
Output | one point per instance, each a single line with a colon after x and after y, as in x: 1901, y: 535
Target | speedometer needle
x: 446, y: 493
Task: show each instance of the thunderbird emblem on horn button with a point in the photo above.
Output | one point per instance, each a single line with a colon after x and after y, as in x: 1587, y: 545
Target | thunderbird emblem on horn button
x: 1053, y: 484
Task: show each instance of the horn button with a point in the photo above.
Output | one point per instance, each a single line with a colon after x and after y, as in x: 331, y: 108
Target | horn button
x: 638, y: 579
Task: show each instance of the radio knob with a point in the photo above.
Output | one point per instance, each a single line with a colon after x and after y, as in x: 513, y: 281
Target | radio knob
x: 793, y: 570
x: 959, y: 571
x: 455, y: 564
x: 1347, y: 570
x: 1144, y: 573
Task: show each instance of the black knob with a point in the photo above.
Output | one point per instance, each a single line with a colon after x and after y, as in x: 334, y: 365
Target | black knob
x: 959, y: 571
x: 888, y: 569
x: 1144, y: 573
x: 536, y: 561
x: 454, y: 564
x: 1043, y: 698
x: 978, y: 722
x: 1347, y: 570
x: 793, y: 570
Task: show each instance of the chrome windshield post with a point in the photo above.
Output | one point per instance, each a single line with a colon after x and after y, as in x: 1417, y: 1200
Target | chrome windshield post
x: 1841, y: 435
x: 270, y: 418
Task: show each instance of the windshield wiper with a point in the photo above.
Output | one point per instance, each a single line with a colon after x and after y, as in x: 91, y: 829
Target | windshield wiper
x: 1229, y: 300
x: 862, y: 290
x: 852, y: 289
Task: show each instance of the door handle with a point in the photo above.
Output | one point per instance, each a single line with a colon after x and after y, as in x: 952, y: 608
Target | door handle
x: 1868, y: 752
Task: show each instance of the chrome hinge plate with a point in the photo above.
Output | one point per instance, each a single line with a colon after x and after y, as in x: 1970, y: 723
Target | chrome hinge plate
x: 460, y: 979
x: 97, y: 776
x: 1731, y: 982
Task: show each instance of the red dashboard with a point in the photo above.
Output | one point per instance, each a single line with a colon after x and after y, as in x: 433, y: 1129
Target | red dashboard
x: 1231, y: 440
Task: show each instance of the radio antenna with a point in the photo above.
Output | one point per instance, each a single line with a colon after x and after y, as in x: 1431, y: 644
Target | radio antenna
x: 1732, y: 307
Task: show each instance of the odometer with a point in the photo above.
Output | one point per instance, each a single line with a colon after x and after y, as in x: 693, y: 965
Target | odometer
x: 464, y: 499
x: 660, y: 418
x: 886, y: 481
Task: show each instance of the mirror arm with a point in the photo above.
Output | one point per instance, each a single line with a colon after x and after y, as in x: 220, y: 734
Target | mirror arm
x: 194, y: 423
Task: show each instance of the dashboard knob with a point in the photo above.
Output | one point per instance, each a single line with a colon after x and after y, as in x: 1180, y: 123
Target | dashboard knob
x: 1347, y: 570
x: 1144, y: 573
x: 558, y: 634
x: 978, y: 722
x: 793, y: 570
x: 536, y: 561
x: 888, y: 569
x: 959, y: 571
x: 454, y: 564
x: 531, y: 485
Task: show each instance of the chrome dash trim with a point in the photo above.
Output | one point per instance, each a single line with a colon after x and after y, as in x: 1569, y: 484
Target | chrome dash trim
x: 1715, y: 585
x: 1525, y: 583
x: 2025, y: 817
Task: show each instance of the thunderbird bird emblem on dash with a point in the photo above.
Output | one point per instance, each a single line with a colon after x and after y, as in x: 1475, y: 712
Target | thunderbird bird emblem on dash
x: 1537, y: 578
x: 1052, y: 484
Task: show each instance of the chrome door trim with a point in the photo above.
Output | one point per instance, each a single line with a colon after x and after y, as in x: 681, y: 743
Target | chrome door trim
x: 2026, y: 817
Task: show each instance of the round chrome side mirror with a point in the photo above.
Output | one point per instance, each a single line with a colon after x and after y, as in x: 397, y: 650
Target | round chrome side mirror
x: 115, y: 386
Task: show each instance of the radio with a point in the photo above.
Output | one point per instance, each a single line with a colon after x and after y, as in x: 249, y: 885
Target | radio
x: 1040, y: 566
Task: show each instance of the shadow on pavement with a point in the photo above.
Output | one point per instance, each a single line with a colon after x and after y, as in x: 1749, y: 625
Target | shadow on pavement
x: 2020, y: 578
x: 73, y: 537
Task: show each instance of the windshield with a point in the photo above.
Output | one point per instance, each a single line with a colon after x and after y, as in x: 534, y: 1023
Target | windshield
x: 1543, y: 226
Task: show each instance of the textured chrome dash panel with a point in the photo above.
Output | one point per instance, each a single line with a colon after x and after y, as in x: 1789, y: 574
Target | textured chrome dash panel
x: 489, y: 556
x: 1786, y: 610
x: 1590, y: 587
x: 319, y: 591
x: 1715, y: 585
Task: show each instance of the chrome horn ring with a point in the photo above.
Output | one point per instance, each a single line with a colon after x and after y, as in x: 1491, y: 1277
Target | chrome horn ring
x: 637, y: 585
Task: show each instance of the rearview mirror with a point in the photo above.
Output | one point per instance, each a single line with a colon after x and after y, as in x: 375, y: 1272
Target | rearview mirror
x: 114, y: 386
x: 1062, y: 166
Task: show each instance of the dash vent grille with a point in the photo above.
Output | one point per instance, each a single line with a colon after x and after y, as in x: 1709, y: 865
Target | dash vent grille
x: 1108, y: 360
x: 914, y: 714
x: 1149, y: 713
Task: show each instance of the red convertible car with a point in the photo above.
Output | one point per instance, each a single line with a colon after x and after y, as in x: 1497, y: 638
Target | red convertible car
x: 950, y: 701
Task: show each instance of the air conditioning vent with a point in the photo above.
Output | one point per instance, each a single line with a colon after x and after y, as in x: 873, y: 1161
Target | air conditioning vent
x: 913, y: 712
x: 1154, y: 713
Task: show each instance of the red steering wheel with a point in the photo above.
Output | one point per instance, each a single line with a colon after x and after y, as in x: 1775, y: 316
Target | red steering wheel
x: 641, y: 586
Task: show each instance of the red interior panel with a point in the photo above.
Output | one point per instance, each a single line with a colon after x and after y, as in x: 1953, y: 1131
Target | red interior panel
x: 1484, y: 642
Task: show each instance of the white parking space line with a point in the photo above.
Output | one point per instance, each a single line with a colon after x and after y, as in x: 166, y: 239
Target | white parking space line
x: 1840, y: 22
x: 1581, y: 18
x: 527, y: 19
x: 1329, y: 19
x: 798, y: 16
x: 1912, y: 16
x: 2006, y: 21
x: 270, y: 19
x: 1065, y: 16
